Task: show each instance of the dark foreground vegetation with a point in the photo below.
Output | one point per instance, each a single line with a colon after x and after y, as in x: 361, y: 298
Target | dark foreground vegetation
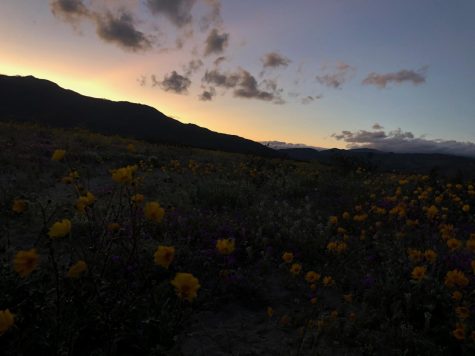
x: 111, y: 246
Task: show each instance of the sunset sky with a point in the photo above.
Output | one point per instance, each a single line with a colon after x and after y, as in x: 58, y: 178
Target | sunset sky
x: 388, y: 74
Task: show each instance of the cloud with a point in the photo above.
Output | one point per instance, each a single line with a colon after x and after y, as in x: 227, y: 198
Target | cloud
x: 192, y: 66
x: 245, y: 85
x: 309, y: 99
x: 382, y: 80
x: 121, y: 31
x: 213, y: 17
x: 377, y: 126
x: 337, y: 75
x: 173, y: 82
x: 404, y: 142
x: 216, y: 43
x: 69, y: 10
x: 279, y: 145
x: 219, y: 60
x: 177, y: 12
x: 207, y: 95
x: 274, y: 60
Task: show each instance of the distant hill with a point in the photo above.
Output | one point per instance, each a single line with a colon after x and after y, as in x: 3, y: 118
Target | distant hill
x: 37, y: 100
x: 375, y: 160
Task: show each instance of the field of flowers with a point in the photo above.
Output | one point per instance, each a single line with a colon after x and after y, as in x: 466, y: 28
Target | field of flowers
x: 111, y: 246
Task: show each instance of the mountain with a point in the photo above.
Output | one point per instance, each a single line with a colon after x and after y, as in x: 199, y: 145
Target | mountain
x: 374, y: 160
x: 37, y: 100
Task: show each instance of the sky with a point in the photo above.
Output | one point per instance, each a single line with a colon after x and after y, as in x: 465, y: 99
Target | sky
x: 388, y: 74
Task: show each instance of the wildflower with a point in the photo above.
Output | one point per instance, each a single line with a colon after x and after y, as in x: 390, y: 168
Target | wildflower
x: 131, y: 147
x: 7, y: 319
x: 432, y: 212
x: 60, y: 229
x: 328, y: 281
x: 333, y: 220
x: 85, y: 201
x: 346, y: 215
x: 113, y: 227
x: 456, y: 296
x: 124, y: 175
x: 313, y: 300
x: 296, y: 268
x: 137, y: 198
x: 470, y: 245
x: 77, y: 269
x: 312, y: 276
x: 164, y: 256
x: 430, y: 256
x: 288, y: 257
x: 418, y: 273
x: 285, y: 320
x: 270, y: 312
x: 459, y: 332
x: 453, y: 244
x: 225, y: 246
x: 19, y: 206
x: 455, y: 278
x: 466, y: 208
x: 186, y: 286
x: 25, y: 262
x: 348, y: 297
x: 332, y: 246
x: 352, y: 316
x: 360, y: 217
x: 462, y: 312
x: 414, y: 255
x: 313, y: 286
x: 341, y: 247
x: 154, y: 212
x: 58, y: 155
x: 334, y: 314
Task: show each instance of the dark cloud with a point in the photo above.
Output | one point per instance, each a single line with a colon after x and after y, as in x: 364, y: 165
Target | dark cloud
x: 274, y: 60
x: 216, y: 43
x: 207, y: 95
x: 121, y: 30
x: 377, y: 126
x: 382, y: 80
x: 404, y: 142
x: 177, y: 11
x: 245, y: 85
x: 219, y: 60
x: 69, y: 10
x: 142, y: 81
x: 173, y: 82
x: 337, y: 75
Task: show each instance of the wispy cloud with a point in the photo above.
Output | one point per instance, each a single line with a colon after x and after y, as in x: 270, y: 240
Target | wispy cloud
x: 404, y: 142
x: 216, y: 42
x: 178, y: 12
x: 274, y: 60
x: 279, y: 145
x: 337, y: 75
x: 410, y: 76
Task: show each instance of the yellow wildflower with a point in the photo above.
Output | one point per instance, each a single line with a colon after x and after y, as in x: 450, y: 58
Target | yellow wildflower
x: 25, y: 262
x: 313, y: 300
x: 164, y: 256
x: 7, y: 319
x: 60, y: 229
x: 295, y: 268
x: 432, y: 212
x: 137, y: 198
x: 288, y: 257
x: 328, y: 281
x: 470, y: 245
x: 225, y: 246
x: 154, y: 212
x: 58, y: 155
x: 333, y: 220
x: 455, y: 278
x: 414, y: 255
x: 453, y: 244
x: 456, y: 296
x: 85, y: 201
x: 348, y: 297
x: 131, y: 147
x: 19, y: 206
x: 77, y: 269
x: 430, y: 255
x: 346, y: 215
x: 466, y: 208
x: 113, y: 227
x: 462, y: 312
x: 124, y: 175
x: 418, y: 273
x: 312, y: 276
x: 186, y: 286
x: 270, y: 312
x: 459, y: 332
